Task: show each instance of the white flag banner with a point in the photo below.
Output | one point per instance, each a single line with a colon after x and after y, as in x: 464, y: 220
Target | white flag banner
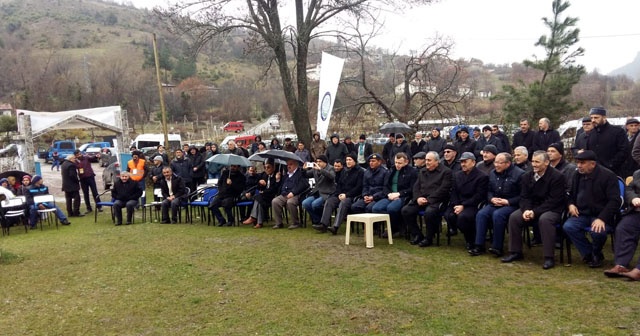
x: 330, y: 72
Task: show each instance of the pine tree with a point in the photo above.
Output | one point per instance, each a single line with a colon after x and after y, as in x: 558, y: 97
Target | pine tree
x: 548, y: 96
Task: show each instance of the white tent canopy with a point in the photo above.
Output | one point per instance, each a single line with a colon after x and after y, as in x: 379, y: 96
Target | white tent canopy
x: 103, y: 117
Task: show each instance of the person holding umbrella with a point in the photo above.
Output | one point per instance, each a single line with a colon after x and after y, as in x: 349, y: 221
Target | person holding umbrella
x: 268, y: 187
x: 294, y: 183
x: 230, y: 186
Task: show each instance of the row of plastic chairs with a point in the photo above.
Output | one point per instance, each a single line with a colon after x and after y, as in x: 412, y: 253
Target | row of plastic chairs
x: 16, y: 211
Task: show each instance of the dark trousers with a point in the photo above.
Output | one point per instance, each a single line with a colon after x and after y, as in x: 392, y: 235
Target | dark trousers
x: 117, y: 210
x: 546, y: 222
x: 626, y: 239
x: 174, y: 205
x: 227, y: 203
x: 86, y: 184
x: 464, y: 221
x: 73, y: 202
x: 432, y: 219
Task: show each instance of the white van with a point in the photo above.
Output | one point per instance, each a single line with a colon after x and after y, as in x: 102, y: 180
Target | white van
x: 153, y: 140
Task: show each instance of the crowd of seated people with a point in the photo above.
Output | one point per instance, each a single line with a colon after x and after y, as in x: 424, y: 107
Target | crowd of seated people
x: 473, y: 184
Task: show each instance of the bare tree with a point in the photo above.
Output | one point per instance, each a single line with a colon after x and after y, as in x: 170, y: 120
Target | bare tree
x: 286, y: 44
x: 425, y: 84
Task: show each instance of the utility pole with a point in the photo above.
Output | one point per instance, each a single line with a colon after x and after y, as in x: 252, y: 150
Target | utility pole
x: 162, y: 109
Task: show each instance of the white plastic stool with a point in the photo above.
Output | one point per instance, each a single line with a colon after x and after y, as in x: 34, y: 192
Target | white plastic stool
x: 368, y: 219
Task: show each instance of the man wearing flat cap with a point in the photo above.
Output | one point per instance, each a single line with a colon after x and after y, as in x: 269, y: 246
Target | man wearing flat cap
x: 469, y: 189
x: 450, y: 158
x: 372, y: 185
x: 419, y: 160
x: 607, y: 141
x: 487, y: 138
x: 582, y: 136
x: 489, y: 153
x: 630, y: 165
x: 593, y: 201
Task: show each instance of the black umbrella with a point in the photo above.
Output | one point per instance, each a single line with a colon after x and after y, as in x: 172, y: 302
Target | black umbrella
x: 257, y: 157
x: 395, y: 127
x: 280, y: 154
x: 18, y: 174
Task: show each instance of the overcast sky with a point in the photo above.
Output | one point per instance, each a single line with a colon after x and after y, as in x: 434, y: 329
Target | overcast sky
x: 504, y: 31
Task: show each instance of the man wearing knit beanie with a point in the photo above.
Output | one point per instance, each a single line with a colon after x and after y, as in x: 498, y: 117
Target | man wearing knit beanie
x: 38, y: 188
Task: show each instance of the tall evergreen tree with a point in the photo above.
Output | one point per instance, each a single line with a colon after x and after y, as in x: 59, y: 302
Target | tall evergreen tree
x: 548, y: 96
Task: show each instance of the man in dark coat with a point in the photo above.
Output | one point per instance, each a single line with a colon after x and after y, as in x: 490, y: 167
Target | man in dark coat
x: 401, y: 146
x: 268, y: 187
x: 609, y: 142
x: 336, y: 149
x: 125, y: 193
x: 450, y: 158
x: 387, y: 154
x: 464, y: 143
x: 628, y: 234
x: 397, y: 188
x: 436, y: 143
x: 294, y: 183
x: 198, y: 168
x: 469, y: 189
x: 630, y: 165
x: 524, y: 137
x: 173, y: 193
x: 430, y: 192
x: 182, y: 167
x: 87, y: 180
x: 71, y: 186
x: 348, y: 187
x: 582, y: 136
x: 487, y: 138
x: 230, y: 187
x: 418, y: 144
x: 542, y: 198
x: 372, y: 185
x: 593, y: 203
x: 503, y: 141
x: 545, y: 135
x: 503, y: 198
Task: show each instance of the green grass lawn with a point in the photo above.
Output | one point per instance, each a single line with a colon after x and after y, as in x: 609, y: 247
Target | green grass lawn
x: 152, y: 279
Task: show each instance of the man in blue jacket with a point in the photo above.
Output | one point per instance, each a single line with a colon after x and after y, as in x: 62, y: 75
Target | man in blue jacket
x: 372, y: 185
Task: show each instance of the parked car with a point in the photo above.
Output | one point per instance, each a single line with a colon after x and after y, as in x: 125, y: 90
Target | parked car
x: 110, y: 174
x: 63, y: 147
x: 233, y: 126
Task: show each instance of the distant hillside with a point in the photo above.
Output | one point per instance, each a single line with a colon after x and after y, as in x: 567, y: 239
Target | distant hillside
x: 632, y: 69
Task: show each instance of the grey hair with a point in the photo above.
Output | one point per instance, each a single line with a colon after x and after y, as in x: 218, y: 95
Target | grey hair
x: 522, y: 149
x: 435, y: 155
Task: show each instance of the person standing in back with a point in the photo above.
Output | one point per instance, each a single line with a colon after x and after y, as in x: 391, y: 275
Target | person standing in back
x: 87, y: 180
x: 71, y: 186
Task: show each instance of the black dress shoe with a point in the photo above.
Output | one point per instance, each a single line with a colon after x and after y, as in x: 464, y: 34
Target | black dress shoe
x: 333, y: 230
x: 596, y: 261
x: 474, y: 252
x: 468, y: 246
x: 79, y: 215
x: 425, y: 243
x: 118, y: 224
x: 452, y: 232
x: 548, y: 263
x: 320, y: 228
x: 222, y: 224
x: 496, y: 252
x: 416, y: 240
x: 512, y: 257
x: 65, y: 222
x: 165, y: 222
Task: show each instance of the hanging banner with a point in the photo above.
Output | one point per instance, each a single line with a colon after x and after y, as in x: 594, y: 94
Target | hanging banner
x: 330, y: 72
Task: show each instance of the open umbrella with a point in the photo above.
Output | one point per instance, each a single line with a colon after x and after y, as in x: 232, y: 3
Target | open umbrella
x: 18, y: 174
x: 229, y: 160
x: 257, y: 157
x: 395, y: 127
x: 280, y: 154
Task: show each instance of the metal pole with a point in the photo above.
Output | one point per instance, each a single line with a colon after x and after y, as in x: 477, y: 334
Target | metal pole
x: 162, y: 109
